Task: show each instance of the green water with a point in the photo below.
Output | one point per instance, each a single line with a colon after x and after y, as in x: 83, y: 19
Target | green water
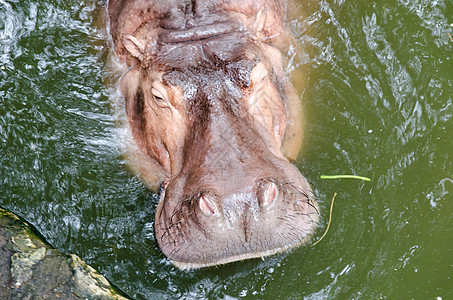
x: 378, y: 103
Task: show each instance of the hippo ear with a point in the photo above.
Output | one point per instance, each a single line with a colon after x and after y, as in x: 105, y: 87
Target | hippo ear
x: 134, y: 46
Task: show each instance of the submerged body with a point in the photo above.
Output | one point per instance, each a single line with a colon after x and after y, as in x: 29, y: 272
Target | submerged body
x: 215, y: 121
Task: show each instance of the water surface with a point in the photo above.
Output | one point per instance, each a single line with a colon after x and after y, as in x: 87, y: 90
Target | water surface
x: 378, y: 103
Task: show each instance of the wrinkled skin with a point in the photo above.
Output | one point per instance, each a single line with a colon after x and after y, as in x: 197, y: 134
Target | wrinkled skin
x: 215, y: 121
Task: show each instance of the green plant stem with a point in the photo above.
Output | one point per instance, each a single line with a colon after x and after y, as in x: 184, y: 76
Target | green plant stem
x: 328, y: 224
x: 345, y: 176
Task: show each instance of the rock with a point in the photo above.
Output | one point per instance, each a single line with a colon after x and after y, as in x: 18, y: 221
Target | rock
x: 31, y: 269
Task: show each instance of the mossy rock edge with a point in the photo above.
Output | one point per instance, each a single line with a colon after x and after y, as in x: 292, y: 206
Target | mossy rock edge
x: 31, y: 269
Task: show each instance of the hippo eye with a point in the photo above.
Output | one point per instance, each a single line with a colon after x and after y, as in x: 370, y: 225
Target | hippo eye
x: 160, y: 93
x: 157, y: 95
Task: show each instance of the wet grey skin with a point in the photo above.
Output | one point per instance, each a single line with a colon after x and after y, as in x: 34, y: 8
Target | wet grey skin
x: 215, y: 123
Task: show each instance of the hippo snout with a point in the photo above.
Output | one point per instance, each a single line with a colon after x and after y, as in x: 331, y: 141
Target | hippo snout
x: 208, y: 228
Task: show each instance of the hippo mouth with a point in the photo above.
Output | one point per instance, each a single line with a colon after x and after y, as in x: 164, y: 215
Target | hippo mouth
x: 209, y: 228
x: 248, y: 228
x: 197, y: 33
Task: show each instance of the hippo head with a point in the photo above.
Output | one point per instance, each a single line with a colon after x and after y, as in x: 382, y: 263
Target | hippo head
x: 210, y: 108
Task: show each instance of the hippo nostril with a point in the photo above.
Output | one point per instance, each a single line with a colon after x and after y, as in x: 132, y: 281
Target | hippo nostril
x: 207, y: 205
x: 270, y: 193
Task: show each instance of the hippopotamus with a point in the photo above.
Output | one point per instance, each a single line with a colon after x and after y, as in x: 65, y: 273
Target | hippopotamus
x: 216, y: 125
